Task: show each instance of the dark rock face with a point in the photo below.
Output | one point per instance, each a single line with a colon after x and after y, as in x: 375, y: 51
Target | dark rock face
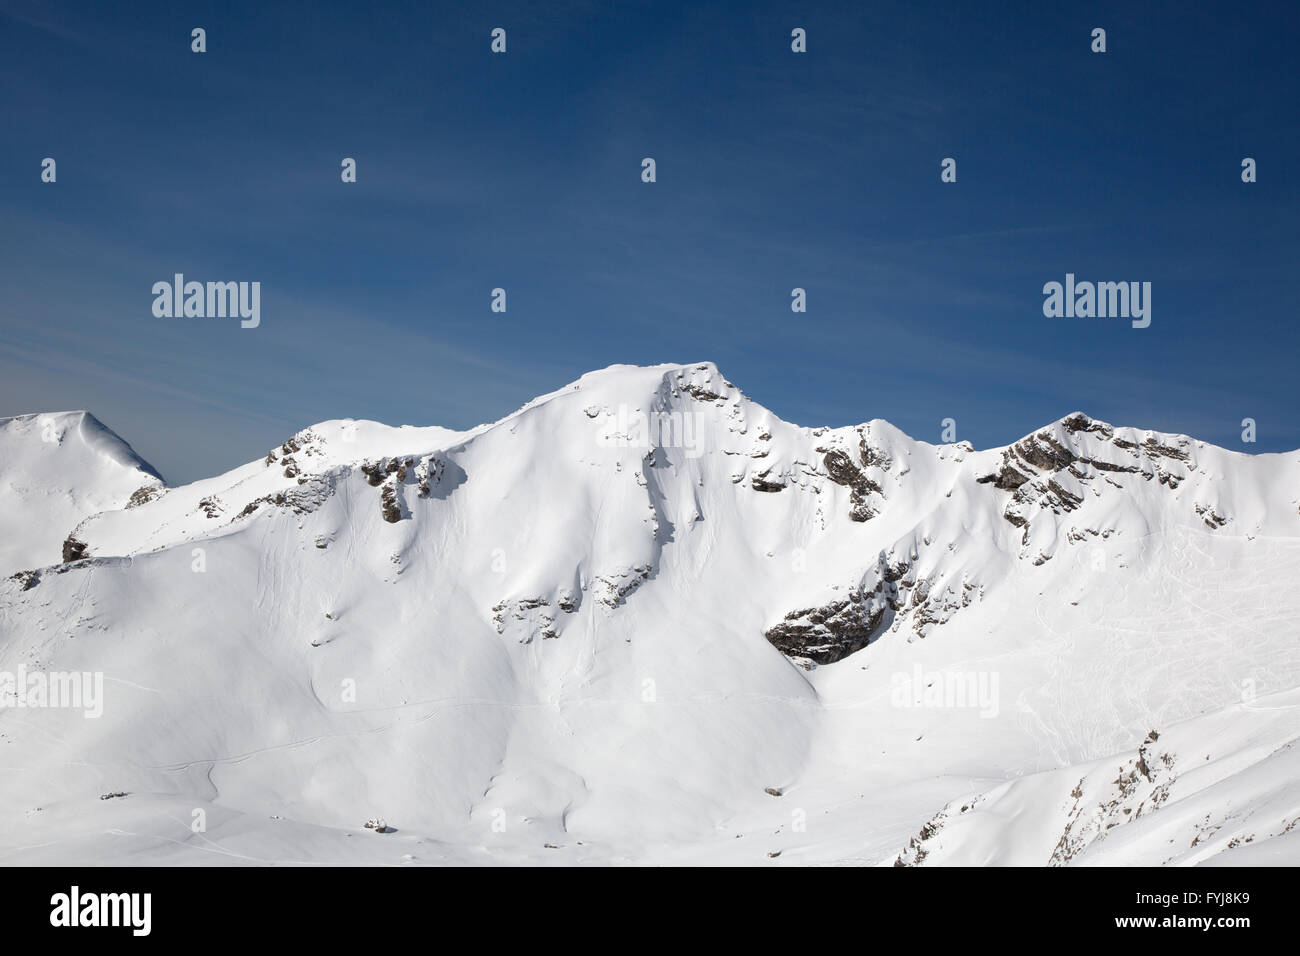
x: 305, y: 499
x: 388, y: 502
x: 528, y: 617
x: 1101, y: 465
x: 143, y: 495
x: 74, y: 550
x: 700, y: 393
x: 1044, y: 452
x: 1007, y: 478
x: 1082, y: 423
x: 617, y: 588
x: 1040, y: 452
x: 891, y: 593
x: 830, y: 633
x: 305, y: 441
x: 390, y: 473
x: 28, y: 579
x: 1062, y: 499
x: 1034, y: 469
x: 1050, y: 473
x: 1212, y: 518
x: 1157, y: 450
x: 833, y: 631
x: 841, y: 469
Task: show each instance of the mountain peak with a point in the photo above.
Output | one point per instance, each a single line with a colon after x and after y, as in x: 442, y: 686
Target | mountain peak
x: 641, y: 579
x: 56, y: 429
x: 60, y: 468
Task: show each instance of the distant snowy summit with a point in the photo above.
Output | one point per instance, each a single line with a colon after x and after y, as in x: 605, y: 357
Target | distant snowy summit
x: 57, y: 469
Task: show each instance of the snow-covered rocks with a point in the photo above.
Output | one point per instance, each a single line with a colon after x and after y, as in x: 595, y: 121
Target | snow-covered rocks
x: 614, y: 618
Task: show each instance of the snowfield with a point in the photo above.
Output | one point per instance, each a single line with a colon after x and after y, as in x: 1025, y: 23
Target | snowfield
x: 643, y: 620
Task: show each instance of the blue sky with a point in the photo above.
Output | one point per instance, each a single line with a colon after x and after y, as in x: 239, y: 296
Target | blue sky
x: 522, y: 171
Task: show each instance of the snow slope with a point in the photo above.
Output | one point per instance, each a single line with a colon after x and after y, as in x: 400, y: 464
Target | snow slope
x: 55, y: 470
x: 643, y: 619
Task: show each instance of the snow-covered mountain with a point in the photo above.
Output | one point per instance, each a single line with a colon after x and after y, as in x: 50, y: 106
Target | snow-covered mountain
x: 56, y: 470
x: 643, y: 619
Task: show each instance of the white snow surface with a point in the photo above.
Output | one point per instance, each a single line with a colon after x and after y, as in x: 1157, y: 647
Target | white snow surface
x: 549, y: 640
x: 55, y: 470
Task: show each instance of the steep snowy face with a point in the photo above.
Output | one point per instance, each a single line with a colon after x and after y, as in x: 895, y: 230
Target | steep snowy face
x: 634, y: 616
x: 55, y: 470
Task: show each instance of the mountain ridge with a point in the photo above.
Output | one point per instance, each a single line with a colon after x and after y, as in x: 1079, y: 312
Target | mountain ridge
x: 615, y: 620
